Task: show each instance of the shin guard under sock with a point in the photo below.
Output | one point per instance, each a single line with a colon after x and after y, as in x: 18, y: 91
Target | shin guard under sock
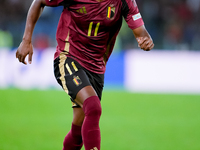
x: 73, y: 140
x: 90, y: 128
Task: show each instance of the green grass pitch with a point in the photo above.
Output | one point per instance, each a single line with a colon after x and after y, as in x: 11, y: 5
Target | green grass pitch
x: 39, y: 120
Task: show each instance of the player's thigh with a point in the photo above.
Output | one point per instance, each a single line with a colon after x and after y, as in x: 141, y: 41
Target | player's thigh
x: 84, y: 94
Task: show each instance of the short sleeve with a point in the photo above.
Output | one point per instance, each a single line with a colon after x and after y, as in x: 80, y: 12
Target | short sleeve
x: 131, y: 14
x: 53, y: 2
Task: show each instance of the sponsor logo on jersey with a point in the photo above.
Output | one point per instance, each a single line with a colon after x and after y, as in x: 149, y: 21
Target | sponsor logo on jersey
x: 82, y: 10
x: 77, y: 80
x: 110, y: 12
x: 137, y: 16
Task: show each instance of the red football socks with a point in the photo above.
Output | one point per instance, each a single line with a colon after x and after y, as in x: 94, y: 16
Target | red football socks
x: 73, y: 140
x: 90, y: 128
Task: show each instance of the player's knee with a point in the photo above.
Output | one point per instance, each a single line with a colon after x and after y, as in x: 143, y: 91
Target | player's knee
x: 92, y: 106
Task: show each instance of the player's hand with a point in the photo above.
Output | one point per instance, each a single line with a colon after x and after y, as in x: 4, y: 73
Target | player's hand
x: 25, y: 48
x: 145, y: 43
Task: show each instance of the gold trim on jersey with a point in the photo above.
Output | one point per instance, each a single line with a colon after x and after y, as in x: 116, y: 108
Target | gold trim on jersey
x: 67, y: 38
x: 74, y: 104
x: 66, y: 49
x: 62, y: 71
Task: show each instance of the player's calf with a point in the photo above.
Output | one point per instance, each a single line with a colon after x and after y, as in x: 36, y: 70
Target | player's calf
x: 90, y: 129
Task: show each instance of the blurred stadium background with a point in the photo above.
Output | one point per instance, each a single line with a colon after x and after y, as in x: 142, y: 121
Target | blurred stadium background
x: 151, y: 99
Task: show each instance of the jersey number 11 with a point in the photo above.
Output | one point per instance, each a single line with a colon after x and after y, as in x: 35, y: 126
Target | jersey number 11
x: 96, y: 28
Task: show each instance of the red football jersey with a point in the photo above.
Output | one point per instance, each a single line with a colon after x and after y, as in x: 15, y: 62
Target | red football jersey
x: 87, y: 29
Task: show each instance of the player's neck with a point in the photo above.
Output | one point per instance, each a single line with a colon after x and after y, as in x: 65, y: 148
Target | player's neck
x: 99, y: 0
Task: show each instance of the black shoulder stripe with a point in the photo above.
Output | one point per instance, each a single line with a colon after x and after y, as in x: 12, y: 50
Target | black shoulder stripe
x: 125, y: 8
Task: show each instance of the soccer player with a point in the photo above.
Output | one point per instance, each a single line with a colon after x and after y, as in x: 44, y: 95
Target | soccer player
x: 86, y: 34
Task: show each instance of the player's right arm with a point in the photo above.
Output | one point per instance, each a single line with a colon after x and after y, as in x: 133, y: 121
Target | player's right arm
x: 26, y: 47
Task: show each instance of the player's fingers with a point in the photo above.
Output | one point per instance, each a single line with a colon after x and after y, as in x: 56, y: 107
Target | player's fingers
x: 152, y: 46
x: 140, y: 41
x: 22, y: 59
x: 19, y: 58
x: 30, y: 57
x: 17, y: 54
x: 149, y: 47
x: 143, y: 42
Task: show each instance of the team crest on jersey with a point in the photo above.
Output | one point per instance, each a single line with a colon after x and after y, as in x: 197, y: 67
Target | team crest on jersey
x: 110, y: 12
x: 77, y: 80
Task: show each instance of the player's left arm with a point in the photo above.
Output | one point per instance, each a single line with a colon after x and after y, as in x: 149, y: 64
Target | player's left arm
x: 143, y: 38
x: 135, y: 22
